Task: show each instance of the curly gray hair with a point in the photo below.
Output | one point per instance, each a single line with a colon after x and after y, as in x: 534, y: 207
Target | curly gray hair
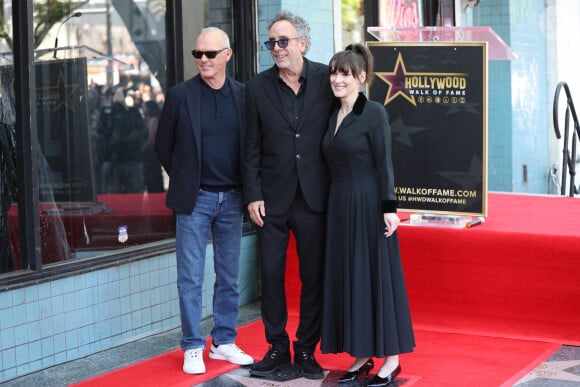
x: 302, y: 27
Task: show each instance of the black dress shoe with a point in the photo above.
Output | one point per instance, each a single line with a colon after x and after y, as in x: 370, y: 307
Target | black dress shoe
x: 364, y: 370
x: 377, y: 381
x: 305, y: 363
x: 273, y: 361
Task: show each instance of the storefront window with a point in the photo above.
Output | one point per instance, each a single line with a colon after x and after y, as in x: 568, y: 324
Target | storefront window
x: 100, y: 88
x: 8, y: 175
x: 101, y: 78
x: 7, y: 170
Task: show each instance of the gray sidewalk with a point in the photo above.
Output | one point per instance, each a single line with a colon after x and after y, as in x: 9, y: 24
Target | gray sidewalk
x: 124, y: 355
x: 561, y: 370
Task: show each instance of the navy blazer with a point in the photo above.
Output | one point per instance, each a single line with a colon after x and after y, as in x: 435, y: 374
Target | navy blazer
x: 178, y: 139
x: 281, y: 154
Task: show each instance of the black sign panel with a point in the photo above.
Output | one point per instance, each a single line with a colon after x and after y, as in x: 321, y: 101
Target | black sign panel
x: 436, y: 97
x: 65, y: 165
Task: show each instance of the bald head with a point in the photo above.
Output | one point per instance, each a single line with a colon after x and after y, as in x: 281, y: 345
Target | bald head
x: 212, y: 53
x: 217, y: 34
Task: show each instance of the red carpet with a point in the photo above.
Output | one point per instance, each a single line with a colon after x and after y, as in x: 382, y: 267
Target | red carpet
x: 517, y: 275
x: 489, y: 304
x: 440, y: 359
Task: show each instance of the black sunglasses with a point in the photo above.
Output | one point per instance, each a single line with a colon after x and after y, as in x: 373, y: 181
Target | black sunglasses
x: 282, y: 43
x: 209, y: 54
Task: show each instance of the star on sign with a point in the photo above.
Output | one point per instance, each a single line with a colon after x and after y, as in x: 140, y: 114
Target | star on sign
x: 553, y: 370
x: 464, y: 108
x: 467, y: 180
x: 402, y: 133
x: 396, y: 82
x: 59, y: 94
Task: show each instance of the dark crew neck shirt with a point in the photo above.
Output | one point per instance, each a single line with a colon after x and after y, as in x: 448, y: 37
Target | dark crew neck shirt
x: 220, y: 140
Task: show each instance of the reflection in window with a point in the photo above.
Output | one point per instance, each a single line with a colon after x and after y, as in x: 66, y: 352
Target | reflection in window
x: 100, y: 82
x: 100, y: 75
x: 7, y: 169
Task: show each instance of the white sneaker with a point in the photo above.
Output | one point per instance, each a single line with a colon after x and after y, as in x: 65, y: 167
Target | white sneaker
x: 193, y: 361
x: 231, y: 353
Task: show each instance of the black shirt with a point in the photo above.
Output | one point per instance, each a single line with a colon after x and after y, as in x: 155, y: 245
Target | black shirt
x: 294, y: 103
x: 220, y: 150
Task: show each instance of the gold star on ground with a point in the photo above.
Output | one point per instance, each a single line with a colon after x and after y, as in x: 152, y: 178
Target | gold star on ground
x: 553, y: 370
x: 243, y: 377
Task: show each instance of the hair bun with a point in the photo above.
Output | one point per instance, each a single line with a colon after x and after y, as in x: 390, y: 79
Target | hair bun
x: 356, y: 48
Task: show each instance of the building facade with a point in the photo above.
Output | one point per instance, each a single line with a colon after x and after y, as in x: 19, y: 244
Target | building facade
x: 87, y: 262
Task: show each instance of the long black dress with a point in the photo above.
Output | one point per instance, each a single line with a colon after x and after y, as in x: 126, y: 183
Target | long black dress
x: 365, y: 307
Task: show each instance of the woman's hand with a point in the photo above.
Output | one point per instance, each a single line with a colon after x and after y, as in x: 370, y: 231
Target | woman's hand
x: 391, y: 223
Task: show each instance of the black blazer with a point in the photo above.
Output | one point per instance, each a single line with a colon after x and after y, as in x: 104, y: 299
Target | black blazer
x: 279, y: 154
x: 178, y: 140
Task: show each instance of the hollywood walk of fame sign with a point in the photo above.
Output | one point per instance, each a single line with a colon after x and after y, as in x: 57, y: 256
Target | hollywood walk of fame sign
x: 64, y: 136
x: 64, y: 132
x: 436, y: 96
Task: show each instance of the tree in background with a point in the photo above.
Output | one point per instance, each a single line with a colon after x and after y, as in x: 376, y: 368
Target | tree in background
x: 46, y: 14
x: 352, y: 21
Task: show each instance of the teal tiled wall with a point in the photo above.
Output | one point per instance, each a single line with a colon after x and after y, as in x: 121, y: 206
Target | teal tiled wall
x: 65, y: 319
x: 519, y: 101
x: 531, y: 99
x: 319, y: 15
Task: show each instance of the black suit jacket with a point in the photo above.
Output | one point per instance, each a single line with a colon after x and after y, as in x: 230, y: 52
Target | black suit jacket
x: 279, y: 154
x: 178, y: 139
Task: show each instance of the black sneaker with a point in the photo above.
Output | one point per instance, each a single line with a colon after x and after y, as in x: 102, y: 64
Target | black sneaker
x: 273, y: 361
x: 306, y: 364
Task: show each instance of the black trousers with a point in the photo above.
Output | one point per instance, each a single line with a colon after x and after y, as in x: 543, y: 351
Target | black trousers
x: 309, y: 231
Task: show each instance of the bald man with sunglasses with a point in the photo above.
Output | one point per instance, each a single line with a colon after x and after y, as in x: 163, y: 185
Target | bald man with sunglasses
x: 286, y: 188
x: 200, y: 143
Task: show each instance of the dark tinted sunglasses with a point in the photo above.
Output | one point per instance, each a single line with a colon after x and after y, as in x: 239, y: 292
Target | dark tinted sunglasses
x: 209, y: 54
x: 282, y: 43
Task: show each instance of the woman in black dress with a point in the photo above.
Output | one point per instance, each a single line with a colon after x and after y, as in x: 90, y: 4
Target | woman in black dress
x: 365, y: 307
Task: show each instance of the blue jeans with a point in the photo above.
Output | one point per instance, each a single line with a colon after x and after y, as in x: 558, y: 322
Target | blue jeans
x: 221, y: 213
